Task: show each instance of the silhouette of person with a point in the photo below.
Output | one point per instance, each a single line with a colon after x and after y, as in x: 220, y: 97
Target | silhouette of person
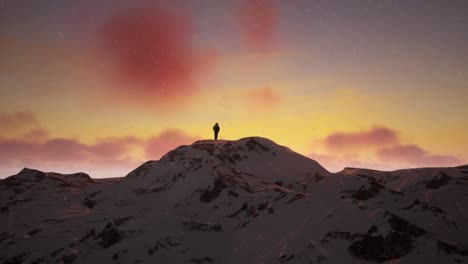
x: 216, y: 131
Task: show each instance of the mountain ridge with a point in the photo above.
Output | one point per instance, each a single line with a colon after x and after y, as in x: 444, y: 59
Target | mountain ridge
x: 243, y: 201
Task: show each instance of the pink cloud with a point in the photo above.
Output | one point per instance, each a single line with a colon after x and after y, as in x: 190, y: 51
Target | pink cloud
x: 18, y: 121
x: 259, y: 22
x: 60, y: 150
x: 264, y: 98
x: 107, y: 155
x: 153, y: 51
x: 157, y: 146
x: 389, y: 152
x: 374, y: 137
x: 413, y: 155
x: 114, y: 147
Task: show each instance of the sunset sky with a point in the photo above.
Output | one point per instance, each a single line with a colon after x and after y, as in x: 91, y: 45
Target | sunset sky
x: 103, y: 86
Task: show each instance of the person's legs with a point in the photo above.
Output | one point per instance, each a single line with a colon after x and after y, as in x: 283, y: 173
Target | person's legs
x: 216, y: 135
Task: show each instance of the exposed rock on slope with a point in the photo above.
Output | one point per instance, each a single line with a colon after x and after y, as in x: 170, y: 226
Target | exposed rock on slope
x: 244, y: 201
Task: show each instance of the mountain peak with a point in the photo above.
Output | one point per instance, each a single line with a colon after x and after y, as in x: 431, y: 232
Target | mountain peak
x: 256, y: 156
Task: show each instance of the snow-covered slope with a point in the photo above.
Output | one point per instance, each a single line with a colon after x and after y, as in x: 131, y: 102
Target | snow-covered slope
x: 244, y: 201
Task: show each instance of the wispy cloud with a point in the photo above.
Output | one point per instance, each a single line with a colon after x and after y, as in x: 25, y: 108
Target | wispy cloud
x: 413, y: 155
x: 377, y: 148
x: 259, y: 21
x: 371, y: 138
x: 263, y: 98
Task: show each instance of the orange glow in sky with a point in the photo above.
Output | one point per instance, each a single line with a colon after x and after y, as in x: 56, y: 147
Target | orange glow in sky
x: 103, y: 87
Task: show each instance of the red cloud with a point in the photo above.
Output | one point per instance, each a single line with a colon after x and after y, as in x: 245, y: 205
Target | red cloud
x: 18, y: 121
x: 159, y: 145
x: 265, y: 98
x: 414, y: 155
x: 152, y: 49
x: 375, y: 137
x: 259, y: 20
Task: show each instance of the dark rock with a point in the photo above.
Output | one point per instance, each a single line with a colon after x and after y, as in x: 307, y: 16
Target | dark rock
x: 93, y: 194
x: 252, y: 144
x: 120, y: 220
x: 397, y: 243
x: 447, y: 248
x: 165, y: 186
x: 233, y: 193
x: 244, y: 224
x: 18, y: 259
x: 69, y: 257
x: 271, y: 210
x: 88, y: 202
x: 341, y: 235
x: 91, y: 233
x: 286, y: 258
x: 318, y: 177
x: 263, y: 206
x: 213, y: 192
x: 34, y: 231
x: 279, y: 183
x: 4, y: 209
x: 438, y: 181
x: 401, y: 225
x: 297, y: 197
x: 56, y: 252
x: 173, y: 242
x: 434, y: 209
x: 252, y: 211
x: 282, y: 195
x: 192, y: 226
x: 364, y: 193
x: 109, y: 236
x: 372, y: 230
x: 39, y: 260
x: 380, y: 249
x: 321, y: 259
x: 243, y: 208
x: 140, y: 191
x: 202, y: 260
x: 415, y: 202
x: 153, y: 250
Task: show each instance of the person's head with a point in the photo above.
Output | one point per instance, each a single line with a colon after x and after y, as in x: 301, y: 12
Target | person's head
x: 216, y: 124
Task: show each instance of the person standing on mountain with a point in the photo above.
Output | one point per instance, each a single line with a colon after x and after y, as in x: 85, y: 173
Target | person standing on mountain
x: 216, y: 131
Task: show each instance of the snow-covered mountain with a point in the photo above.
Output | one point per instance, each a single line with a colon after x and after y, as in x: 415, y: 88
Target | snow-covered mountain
x: 244, y: 201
